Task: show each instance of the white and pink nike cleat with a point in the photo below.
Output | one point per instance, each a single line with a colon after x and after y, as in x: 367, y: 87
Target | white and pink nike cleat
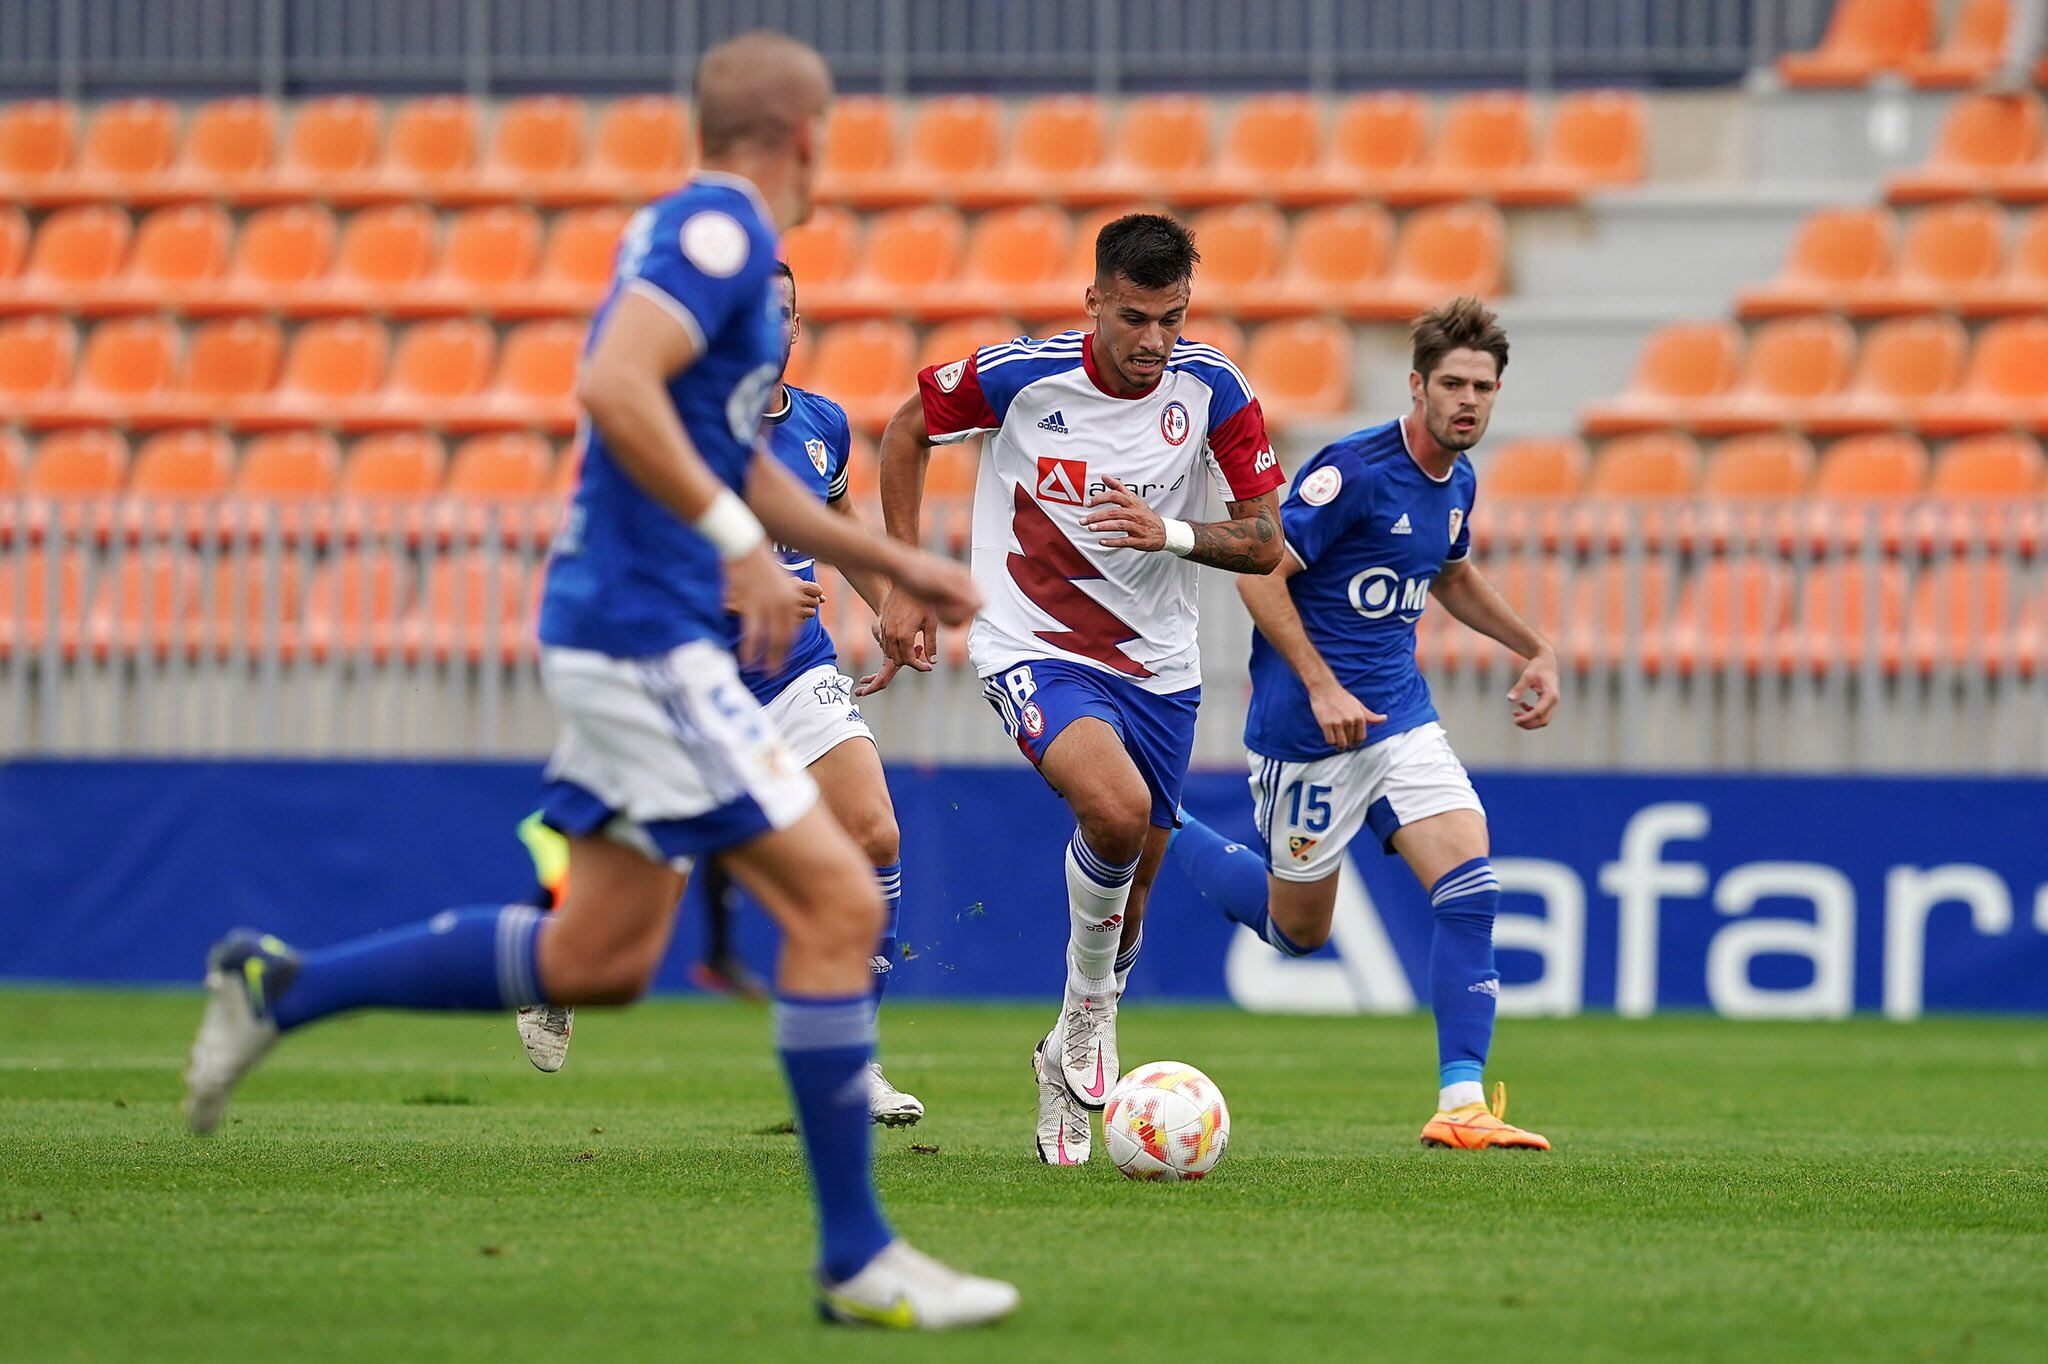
x: 1084, y: 1043
x: 1065, y: 1135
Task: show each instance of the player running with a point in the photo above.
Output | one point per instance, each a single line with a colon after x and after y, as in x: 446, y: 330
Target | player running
x: 1342, y: 733
x: 810, y: 703
x: 664, y: 756
x: 1085, y: 551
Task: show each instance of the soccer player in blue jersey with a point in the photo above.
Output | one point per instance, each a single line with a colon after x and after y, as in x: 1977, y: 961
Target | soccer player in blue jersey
x: 810, y: 703
x: 1342, y: 735
x: 665, y: 757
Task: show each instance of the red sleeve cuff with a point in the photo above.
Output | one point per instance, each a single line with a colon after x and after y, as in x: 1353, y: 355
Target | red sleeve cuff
x: 953, y: 401
x: 1245, y: 454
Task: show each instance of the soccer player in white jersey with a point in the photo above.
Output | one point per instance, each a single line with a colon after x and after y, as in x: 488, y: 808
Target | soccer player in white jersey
x: 664, y: 757
x: 1342, y: 736
x: 1103, y: 448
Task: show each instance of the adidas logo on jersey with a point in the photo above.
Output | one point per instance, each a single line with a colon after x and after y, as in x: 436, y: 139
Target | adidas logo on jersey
x: 1056, y: 423
x: 1402, y: 527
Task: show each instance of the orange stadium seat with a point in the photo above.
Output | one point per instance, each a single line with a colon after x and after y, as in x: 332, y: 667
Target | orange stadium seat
x: 955, y: 340
x: 824, y: 254
x: 386, y: 255
x: 145, y: 603
x: 26, y: 578
x: 1537, y: 468
x: 1984, y: 141
x: 1378, y: 146
x: 230, y: 150
x: 332, y: 364
x: 865, y: 367
x: 912, y: 255
x: 1837, y: 252
x: 284, y: 252
x: 1652, y: 464
x: 1243, y: 249
x: 255, y: 602
x: 435, y: 369
x: 473, y: 607
x: 1949, y: 252
x: 289, y: 466
x: 535, y: 382
x: 2004, y: 466
x: 231, y: 364
x: 181, y: 253
x: 860, y: 150
x: 1056, y: 148
x: 1444, y: 251
x: 127, y: 364
x: 1794, y: 364
x: 1482, y: 147
x: 1595, y: 141
x: 1615, y: 607
x: 536, y: 152
x: 2006, y: 386
x: 1682, y: 365
x: 1337, y: 262
x: 1774, y: 465
x: 395, y: 466
x: 1300, y: 370
x: 37, y: 142
x: 1014, y: 261
x: 131, y: 144
x: 1906, y: 363
x: 1884, y: 466
x: 575, y: 264
x: 1970, y: 51
x: 355, y: 601
x: 954, y: 140
x: 1270, y: 140
x: 1161, y: 151
x: 1205, y: 330
x: 1863, y: 39
x: 37, y: 355
x: 489, y: 259
x: 75, y: 252
x: 334, y: 142
x: 1962, y: 613
x: 431, y: 153
x: 502, y: 467
x: 189, y: 464
x: 1731, y: 611
x: 1837, y: 624
x: 87, y: 463
x: 13, y: 461
x: 14, y: 239
x: 641, y: 150
x: 2022, y: 286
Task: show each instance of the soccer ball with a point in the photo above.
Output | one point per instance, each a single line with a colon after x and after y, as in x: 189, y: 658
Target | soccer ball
x: 1166, y: 1120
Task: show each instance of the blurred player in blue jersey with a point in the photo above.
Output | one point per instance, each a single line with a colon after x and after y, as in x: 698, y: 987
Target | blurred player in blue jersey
x: 810, y: 703
x: 664, y: 756
x: 1342, y: 735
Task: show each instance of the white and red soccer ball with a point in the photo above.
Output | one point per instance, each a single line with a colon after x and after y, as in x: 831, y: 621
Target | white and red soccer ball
x: 1166, y: 1120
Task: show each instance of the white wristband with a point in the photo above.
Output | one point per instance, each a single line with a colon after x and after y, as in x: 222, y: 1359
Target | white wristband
x: 1180, y: 537
x: 729, y: 526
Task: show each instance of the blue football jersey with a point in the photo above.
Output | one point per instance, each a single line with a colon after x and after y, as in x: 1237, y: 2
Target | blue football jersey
x: 812, y: 440
x: 1371, y: 530
x: 626, y: 577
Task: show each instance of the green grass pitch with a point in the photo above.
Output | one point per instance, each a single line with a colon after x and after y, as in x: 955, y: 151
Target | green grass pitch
x: 399, y: 1188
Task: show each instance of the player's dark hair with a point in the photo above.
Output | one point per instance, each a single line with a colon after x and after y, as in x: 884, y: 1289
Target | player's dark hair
x: 1462, y: 324
x: 782, y: 269
x: 1150, y: 250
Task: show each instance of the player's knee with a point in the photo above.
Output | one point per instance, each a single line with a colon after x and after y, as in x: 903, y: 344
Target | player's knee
x: 1305, y: 937
x: 1116, y: 827
x: 841, y: 915
x: 570, y: 974
x: 879, y: 838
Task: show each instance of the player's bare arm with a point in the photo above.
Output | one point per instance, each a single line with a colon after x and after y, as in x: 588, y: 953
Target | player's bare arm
x: 1248, y: 542
x: 624, y: 388
x: 1341, y: 716
x: 1473, y: 599
x: 907, y: 632
x: 871, y: 587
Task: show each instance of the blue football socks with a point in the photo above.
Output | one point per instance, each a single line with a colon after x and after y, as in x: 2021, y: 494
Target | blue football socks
x: 825, y: 1045
x: 1230, y: 876
x: 477, y: 959
x: 890, y: 879
x: 1464, y: 987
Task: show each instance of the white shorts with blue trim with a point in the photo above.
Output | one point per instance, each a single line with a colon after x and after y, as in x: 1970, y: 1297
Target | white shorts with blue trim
x: 1308, y: 812
x: 816, y: 713
x: 668, y: 755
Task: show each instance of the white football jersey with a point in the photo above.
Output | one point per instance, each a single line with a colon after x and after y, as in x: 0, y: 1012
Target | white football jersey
x: 1051, y: 590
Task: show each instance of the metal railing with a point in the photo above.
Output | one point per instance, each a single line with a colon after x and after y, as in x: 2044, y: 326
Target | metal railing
x: 103, y: 48
x: 1694, y: 635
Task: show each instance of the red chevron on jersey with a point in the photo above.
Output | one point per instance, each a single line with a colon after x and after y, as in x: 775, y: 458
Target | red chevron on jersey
x: 1047, y: 568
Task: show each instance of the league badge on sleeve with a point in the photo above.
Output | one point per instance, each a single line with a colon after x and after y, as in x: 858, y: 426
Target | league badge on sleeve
x: 949, y: 377
x: 1457, y: 520
x: 816, y: 450
x: 1322, y: 485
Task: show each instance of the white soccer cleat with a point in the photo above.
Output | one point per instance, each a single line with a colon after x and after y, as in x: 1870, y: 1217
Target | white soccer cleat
x: 244, y: 973
x: 888, y: 1105
x: 1084, y: 1042
x: 1065, y: 1134
x: 544, y: 1032
x: 906, y: 1290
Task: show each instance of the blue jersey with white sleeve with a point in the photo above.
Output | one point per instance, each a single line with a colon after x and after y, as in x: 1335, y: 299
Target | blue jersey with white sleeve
x: 1370, y: 530
x: 812, y: 440
x: 626, y: 577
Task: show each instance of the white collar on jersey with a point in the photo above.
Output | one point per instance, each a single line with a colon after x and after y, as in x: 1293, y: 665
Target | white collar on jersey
x: 781, y: 414
x: 738, y: 182
x: 1410, y: 452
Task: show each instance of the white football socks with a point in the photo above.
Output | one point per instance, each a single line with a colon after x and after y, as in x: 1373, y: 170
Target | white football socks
x: 1097, y: 891
x: 1458, y: 1094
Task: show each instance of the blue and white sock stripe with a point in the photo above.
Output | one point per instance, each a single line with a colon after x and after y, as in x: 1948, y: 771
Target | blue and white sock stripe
x: 823, y: 1024
x: 1098, y: 869
x: 1471, y: 878
x: 890, y: 880
x: 1129, y: 955
x: 517, y: 984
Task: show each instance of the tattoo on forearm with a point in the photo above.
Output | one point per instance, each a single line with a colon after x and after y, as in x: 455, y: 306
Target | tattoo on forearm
x: 1241, y: 545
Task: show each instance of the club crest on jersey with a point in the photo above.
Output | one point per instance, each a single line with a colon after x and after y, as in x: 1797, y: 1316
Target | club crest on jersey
x: 1032, y: 719
x: 816, y: 450
x: 1061, y: 480
x: 1299, y: 847
x: 949, y: 377
x: 1321, y: 486
x: 1457, y: 520
x: 1173, y: 422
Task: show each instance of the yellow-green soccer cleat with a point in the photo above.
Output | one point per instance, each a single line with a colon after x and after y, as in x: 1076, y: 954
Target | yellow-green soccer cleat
x: 245, y: 973
x: 902, y: 1289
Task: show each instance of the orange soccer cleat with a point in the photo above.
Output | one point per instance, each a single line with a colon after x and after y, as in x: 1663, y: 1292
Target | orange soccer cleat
x: 1475, y: 1127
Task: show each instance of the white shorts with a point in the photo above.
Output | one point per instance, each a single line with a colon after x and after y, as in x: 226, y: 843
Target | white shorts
x: 815, y: 713
x: 1308, y: 813
x: 668, y: 755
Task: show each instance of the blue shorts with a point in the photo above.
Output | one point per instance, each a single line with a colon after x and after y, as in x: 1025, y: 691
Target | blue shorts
x: 1040, y: 697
